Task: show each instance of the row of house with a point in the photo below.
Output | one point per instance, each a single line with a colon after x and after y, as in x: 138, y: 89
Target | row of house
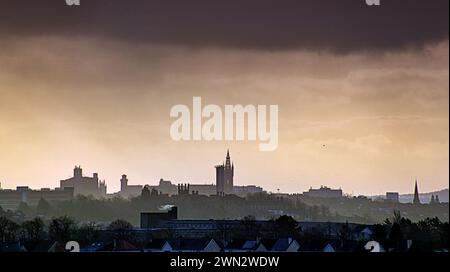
x: 211, y: 245
x: 194, y: 228
x: 186, y: 245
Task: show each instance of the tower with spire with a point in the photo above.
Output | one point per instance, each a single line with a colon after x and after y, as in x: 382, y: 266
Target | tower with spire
x: 225, y: 176
x: 416, y: 199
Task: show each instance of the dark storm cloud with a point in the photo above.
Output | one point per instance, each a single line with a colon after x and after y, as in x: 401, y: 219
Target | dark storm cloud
x: 334, y: 25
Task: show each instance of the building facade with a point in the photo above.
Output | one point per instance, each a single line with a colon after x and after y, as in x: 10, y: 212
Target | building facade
x: 128, y: 191
x: 11, y: 199
x: 324, y: 192
x: 247, y: 189
x: 87, y: 186
x: 154, y: 219
x: 225, y: 176
x: 392, y: 197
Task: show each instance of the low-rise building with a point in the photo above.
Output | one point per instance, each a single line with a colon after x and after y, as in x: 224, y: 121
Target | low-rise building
x: 324, y: 192
x: 11, y: 199
x: 128, y: 191
x: 392, y: 197
x: 87, y: 186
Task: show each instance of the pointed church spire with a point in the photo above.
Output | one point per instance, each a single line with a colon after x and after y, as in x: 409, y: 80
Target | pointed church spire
x: 416, y: 199
x: 228, y: 160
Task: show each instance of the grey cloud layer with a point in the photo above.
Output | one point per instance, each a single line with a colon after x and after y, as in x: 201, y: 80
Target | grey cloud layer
x: 339, y: 26
x: 385, y: 116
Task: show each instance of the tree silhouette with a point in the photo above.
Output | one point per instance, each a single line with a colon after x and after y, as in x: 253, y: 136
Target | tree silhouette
x: 286, y: 226
x: 379, y: 233
x: 250, y: 228
x: 61, y: 229
x: 396, y: 236
x: 88, y: 233
x: 33, y: 230
x: 8, y: 230
x: 120, y: 228
x: 397, y: 218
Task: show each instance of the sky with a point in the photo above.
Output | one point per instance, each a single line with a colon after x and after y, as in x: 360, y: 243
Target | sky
x: 363, y: 92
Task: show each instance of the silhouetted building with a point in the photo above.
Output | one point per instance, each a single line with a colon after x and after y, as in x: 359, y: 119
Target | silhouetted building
x: 183, y: 189
x: 416, y: 199
x: 154, y: 219
x: 392, y: 197
x: 166, y: 187
x: 324, y: 192
x: 11, y: 199
x: 224, y: 177
x: 186, y: 228
x: 434, y: 199
x: 203, y: 189
x: 247, y: 189
x: 224, y: 185
x: 127, y: 191
x: 84, y: 185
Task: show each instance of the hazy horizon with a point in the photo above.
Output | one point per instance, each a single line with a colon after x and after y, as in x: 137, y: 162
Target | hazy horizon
x: 363, y: 101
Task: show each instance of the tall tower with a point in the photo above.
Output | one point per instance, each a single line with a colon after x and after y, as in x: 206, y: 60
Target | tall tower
x: 102, y: 188
x: 416, y: 199
x: 229, y: 174
x: 220, y: 181
x: 78, y: 172
x: 225, y: 177
x: 123, y: 183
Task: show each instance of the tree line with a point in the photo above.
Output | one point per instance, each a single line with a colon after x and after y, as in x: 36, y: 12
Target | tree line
x: 396, y: 233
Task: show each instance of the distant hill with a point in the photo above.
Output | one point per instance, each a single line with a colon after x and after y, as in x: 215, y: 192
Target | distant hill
x: 424, y: 198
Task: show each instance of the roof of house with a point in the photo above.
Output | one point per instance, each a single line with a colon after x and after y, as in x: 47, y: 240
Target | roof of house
x: 360, y: 228
x: 118, y: 245
x: 345, y: 246
x: 188, y: 244
x: 235, y: 244
x: 12, y: 247
x: 250, y: 245
x: 155, y: 244
x: 282, y: 244
x: 328, y: 248
x: 268, y: 243
x: 42, y: 246
x: 122, y: 245
x: 97, y: 246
